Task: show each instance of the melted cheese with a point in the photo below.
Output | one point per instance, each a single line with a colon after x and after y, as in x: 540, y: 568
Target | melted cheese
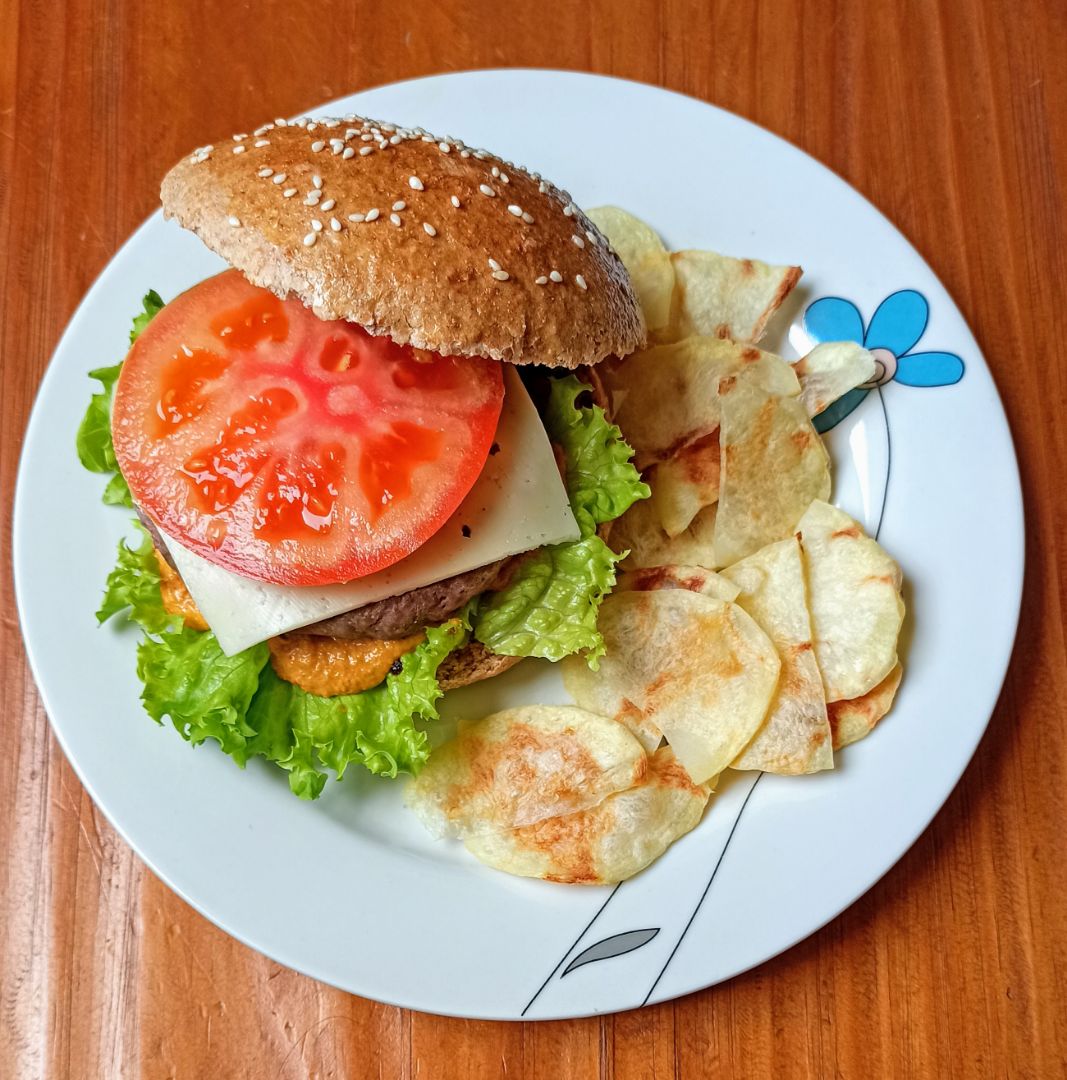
x: 517, y: 504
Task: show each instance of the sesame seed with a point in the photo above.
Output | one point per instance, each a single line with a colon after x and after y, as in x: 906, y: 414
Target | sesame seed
x: 263, y: 130
x: 347, y: 153
x: 400, y: 205
x: 542, y: 280
x: 515, y: 210
x: 485, y: 189
x: 239, y: 138
x: 504, y: 178
x: 578, y: 240
x: 310, y: 239
x: 372, y: 215
x: 335, y: 224
x: 542, y: 187
x: 427, y: 138
x: 238, y: 149
x: 317, y: 145
x: 266, y: 171
x: 280, y: 122
x: 365, y: 150
x: 493, y: 264
x: 316, y: 180
x: 556, y: 276
x: 429, y: 229
x: 316, y: 225
x: 568, y: 210
x: 396, y: 140
x: 234, y: 221
x: 464, y: 153
x: 501, y: 275
x: 262, y: 142
x: 289, y: 192
x: 527, y: 217
x: 337, y: 148
x: 279, y: 178
x: 366, y: 136
x: 455, y: 202
x: 415, y: 183
x: 580, y: 281
x: 395, y: 219
x: 329, y: 204
x: 590, y: 236
x: 444, y: 148
x: 496, y: 171
x: 357, y: 217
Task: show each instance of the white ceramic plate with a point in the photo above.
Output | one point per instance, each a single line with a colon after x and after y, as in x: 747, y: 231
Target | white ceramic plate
x: 350, y: 889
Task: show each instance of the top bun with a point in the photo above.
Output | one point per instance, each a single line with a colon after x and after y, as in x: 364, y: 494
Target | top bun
x: 418, y: 238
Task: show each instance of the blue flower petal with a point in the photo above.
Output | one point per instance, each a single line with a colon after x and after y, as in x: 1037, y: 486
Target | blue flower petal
x: 929, y: 369
x: 834, y: 414
x: 834, y: 319
x: 898, y: 323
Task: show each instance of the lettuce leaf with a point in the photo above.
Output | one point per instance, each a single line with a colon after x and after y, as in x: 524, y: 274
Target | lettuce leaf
x: 600, y: 476
x: 376, y: 729
x: 133, y: 588
x: 549, y: 608
x: 240, y: 703
x: 95, y: 449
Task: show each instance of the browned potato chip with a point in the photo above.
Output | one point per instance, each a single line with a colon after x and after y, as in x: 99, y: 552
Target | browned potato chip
x: 665, y: 397
x: 700, y: 668
x: 639, y: 532
x: 856, y: 607
x: 725, y: 297
x: 773, y: 465
x: 685, y: 483
x: 829, y: 371
x: 644, y: 256
x: 607, y: 843
x: 694, y: 578
x: 795, y: 738
x: 521, y: 765
x: 855, y: 719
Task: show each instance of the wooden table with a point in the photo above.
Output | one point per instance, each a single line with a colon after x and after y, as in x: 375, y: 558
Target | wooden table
x: 949, y: 115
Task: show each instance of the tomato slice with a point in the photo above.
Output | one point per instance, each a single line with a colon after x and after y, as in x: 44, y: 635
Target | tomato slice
x: 291, y: 449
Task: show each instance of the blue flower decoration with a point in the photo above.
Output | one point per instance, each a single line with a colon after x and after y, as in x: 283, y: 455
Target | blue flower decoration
x: 894, y: 330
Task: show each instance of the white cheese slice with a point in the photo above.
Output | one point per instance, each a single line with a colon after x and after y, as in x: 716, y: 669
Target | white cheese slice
x: 517, y: 504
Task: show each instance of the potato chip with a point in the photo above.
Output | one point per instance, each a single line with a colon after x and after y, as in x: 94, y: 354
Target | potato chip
x: 700, y: 668
x: 856, y: 607
x: 521, y: 765
x: 667, y: 396
x: 853, y: 720
x: 685, y: 483
x: 644, y: 256
x: 607, y: 843
x: 694, y: 578
x: 830, y: 370
x: 639, y: 532
x: 725, y: 297
x: 773, y: 465
x: 795, y: 738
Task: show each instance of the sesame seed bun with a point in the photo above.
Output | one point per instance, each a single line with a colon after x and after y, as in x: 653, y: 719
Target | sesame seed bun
x: 514, y: 272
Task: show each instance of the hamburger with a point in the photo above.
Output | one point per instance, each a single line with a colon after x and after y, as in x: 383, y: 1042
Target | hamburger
x: 371, y: 459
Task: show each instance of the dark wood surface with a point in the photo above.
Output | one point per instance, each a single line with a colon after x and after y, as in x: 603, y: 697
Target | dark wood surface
x: 950, y: 115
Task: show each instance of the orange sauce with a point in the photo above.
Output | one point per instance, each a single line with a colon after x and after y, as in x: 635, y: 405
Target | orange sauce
x: 330, y: 666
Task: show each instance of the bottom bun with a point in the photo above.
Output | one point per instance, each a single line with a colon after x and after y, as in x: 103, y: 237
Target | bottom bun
x: 471, y: 664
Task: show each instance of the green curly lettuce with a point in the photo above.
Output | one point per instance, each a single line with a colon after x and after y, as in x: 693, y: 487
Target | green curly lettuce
x: 549, y: 609
x: 95, y: 449
x: 240, y: 703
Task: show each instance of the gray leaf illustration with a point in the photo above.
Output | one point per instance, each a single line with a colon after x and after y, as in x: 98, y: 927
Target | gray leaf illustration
x: 616, y: 945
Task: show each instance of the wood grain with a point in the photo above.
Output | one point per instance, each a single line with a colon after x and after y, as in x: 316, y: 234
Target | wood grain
x: 948, y: 114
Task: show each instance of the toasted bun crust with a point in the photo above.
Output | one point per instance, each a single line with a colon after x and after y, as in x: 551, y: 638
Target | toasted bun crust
x: 470, y: 664
x: 278, y: 205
